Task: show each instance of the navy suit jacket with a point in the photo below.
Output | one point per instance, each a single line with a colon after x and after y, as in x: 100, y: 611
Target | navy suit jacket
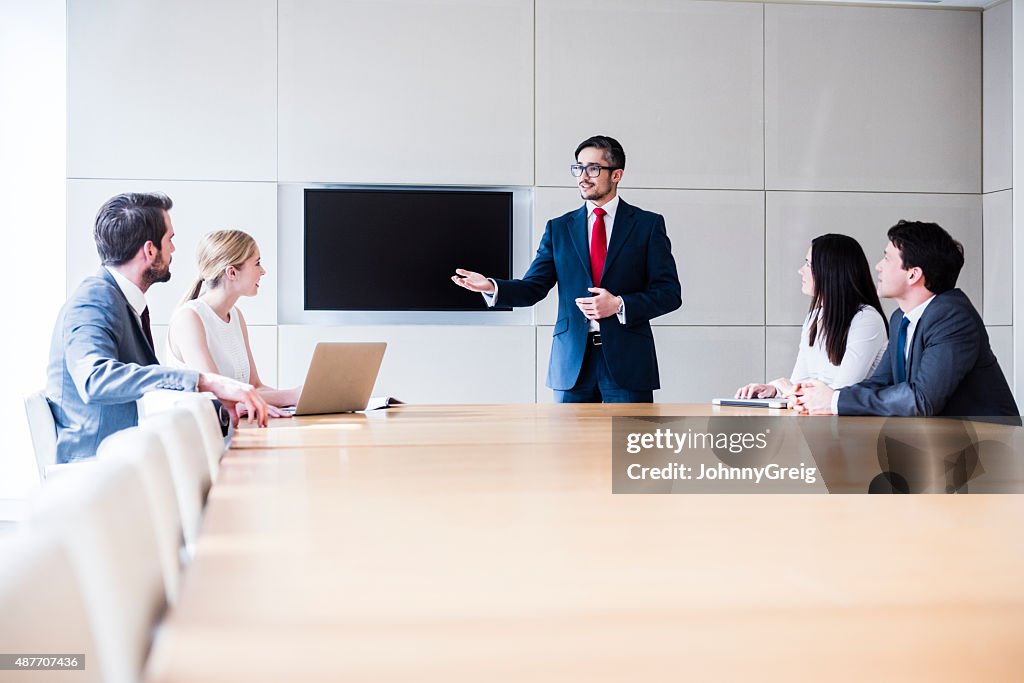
x: 100, y: 364
x: 951, y: 369
x: 638, y: 267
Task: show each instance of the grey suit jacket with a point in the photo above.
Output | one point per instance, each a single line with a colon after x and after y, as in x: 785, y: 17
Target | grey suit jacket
x: 951, y: 369
x: 100, y: 364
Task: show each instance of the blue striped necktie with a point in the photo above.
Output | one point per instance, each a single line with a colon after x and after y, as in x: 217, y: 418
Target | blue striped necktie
x: 901, y: 355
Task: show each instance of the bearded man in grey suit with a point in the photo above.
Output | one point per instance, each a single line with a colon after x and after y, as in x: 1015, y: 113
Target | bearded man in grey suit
x: 939, y: 360
x: 102, y: 357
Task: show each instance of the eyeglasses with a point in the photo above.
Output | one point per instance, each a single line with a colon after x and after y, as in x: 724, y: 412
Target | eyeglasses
x: 593, y: 170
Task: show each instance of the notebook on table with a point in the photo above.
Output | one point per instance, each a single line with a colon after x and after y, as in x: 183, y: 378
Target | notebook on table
x: 752, y: 402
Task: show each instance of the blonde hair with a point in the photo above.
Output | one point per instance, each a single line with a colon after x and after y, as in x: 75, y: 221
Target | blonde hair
x: 217, y: 251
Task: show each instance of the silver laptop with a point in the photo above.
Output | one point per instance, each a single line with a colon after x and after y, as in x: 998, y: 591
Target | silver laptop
x: 340, y: 377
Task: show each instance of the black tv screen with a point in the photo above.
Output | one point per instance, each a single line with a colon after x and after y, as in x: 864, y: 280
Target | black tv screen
x: 396, y: 250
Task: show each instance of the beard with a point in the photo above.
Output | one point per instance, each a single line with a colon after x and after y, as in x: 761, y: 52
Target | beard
x: 593, y: 194
x: 158, y: 272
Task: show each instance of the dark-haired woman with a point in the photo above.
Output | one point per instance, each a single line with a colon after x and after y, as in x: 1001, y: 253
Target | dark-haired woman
x: 845, y: 333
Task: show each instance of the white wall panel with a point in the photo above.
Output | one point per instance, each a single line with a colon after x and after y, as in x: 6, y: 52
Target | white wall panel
x: 263, y: 340
x: 717, y: 240
x: 794, y: 218
x: 677, y: 83
x: 998, y: 271
x: 997, y: 94
x: 199, y: 207
x: 160, y: 338
x: 872, y: 99
x: 429, y: 363
x: 696, y: 364
x: 1017, y: 118
x: 1001, y: 340
x: 406, y: 91
x: 781, y: 345
x: 176, y: 90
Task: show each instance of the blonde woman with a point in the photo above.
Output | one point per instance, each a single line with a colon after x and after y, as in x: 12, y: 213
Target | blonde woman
x: 208, y: 332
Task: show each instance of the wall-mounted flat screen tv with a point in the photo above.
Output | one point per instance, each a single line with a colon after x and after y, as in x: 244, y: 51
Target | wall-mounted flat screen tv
x: 396, y: 250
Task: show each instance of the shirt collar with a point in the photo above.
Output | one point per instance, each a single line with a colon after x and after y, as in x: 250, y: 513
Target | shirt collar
x: 915, y: 313
x: 131, y: 292
x: 610, y: 208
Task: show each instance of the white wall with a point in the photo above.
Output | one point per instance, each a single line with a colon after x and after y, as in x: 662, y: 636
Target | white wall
x: 997, y: 186
x: 751, y: 127
x: 32, y: 150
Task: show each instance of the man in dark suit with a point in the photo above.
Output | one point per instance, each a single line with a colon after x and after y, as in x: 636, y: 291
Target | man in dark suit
x: 939, y: 361
x: 102, y: 358
x: 602, y: 348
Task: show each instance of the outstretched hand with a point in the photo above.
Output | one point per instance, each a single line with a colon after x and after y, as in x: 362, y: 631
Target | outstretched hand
x: 474, y: 282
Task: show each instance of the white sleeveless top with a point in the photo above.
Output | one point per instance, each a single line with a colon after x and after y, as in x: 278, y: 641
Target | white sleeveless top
x: 865, y: 344
x: 224, y: 339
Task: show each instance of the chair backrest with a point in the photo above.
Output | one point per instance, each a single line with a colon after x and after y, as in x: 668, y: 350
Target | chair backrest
x: 143, y: 450
x: 182, y: 441
x: 43, y: 430
x: 202, y: 409
x: 103, y: 517
x: 43, y: 607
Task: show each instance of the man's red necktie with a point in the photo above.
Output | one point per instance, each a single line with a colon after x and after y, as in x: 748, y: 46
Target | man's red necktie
x: 598, y: 247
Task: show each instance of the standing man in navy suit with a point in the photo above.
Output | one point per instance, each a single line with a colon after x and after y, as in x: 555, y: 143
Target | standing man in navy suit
x: 615, y: 273
x: 939, y: 361
x: 102, y: 358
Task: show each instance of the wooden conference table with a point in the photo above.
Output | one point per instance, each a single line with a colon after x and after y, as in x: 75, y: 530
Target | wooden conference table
x: 482, y: 543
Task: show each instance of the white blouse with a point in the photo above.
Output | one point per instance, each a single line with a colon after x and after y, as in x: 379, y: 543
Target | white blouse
x: 224, y: 339
x: 865, y: 345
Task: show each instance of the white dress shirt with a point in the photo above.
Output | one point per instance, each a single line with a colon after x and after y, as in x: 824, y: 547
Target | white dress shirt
x: 609, y: 220
x: 136, y: 299
x: 131, y: 292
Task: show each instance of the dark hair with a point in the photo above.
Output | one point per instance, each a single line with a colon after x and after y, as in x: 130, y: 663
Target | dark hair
x: 928, y: 247
x: 128, y: 221
x: 843, y: 284
x: 614, y: 155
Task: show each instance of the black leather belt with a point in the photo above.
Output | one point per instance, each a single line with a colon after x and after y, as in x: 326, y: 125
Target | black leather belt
x: 594, y: 338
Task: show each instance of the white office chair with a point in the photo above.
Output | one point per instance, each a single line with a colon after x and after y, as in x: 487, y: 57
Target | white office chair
x: 179, y: 433
x: 44, y: 609
x: 103, y: 518
x: 156, y: 401
x: 145, y: 452
x: 43, y: 431
x: 202, y: 409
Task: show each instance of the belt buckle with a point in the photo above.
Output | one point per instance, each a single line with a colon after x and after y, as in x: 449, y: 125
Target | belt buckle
x: 595, y: 338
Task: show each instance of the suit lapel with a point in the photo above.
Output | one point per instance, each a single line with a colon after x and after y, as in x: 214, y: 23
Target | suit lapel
x: 917, y: 341
x: 140, y: 335
x: 894, y: 333
x: 624, y: 222
x: 912, y: 354
x: 580, y: 238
